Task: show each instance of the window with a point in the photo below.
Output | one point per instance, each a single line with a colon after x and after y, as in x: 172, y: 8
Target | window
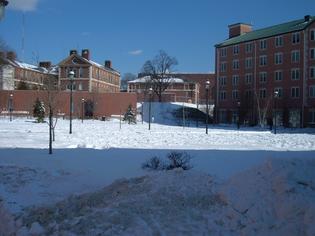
x: 312, y: 91
x: 236, y: 64
x: 263, y: 60
x: 262, y: 77
x: 295, y: 92
x: 248, y: 63
x: 223, y: 52
x: 278, y: 75
x: 223, y: 66
x: 295, y: 74
x: 278, y: 41
x: 235, y: 80
x: 312, y: 34
x: 235, y: 94
x: 80, y: 86
x: 222, y: 81
x: 263, y: 44
x: 280, y: 92
x: 248, y: 47
x: 69, y: 86
x: 262, y: 93
x: 296, y: 38
x: 248, y: 78
x: 222, y: 95
x: 248, y: 94
x: 236, y: 49
x: 312, y: 72
x: 295, y: 56
x: 278, y: 58
x: 312, y: 54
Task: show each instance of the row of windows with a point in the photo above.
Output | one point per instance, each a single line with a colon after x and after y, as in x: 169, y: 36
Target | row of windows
x: 278, y: 42
x: 278, y: 76
x: 295, y: 93
x: 278, y: 60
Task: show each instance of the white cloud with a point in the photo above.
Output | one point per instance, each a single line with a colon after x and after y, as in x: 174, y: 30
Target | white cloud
x: 136, y: 52
x: 23, y: 5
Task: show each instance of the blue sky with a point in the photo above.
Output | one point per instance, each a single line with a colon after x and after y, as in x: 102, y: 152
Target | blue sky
x: 129, y: 32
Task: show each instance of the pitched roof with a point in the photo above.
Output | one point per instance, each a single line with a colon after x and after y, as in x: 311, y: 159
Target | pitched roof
x: 292, y: 26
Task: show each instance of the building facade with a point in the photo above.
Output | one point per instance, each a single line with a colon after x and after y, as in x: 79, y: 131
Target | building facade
x: 267, y: 75
x: 184, y: 87
x: 88, y: 75
x: 15, y: 75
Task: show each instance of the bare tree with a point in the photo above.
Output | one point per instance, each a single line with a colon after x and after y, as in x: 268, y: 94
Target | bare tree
x: 125, y: 79
x: 159, y: 69
x: 262, y: 108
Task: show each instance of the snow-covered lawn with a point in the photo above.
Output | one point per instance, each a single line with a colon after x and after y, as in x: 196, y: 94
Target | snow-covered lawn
x: 244, y: 181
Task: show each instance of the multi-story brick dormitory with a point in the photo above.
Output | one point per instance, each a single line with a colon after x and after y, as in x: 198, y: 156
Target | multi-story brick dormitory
x: 184, y: 87
x: 15, y: 75
x: 88, y: 75
x: 252, y: 65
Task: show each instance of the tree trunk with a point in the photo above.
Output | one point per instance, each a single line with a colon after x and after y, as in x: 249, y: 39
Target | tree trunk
x: 50, y: 131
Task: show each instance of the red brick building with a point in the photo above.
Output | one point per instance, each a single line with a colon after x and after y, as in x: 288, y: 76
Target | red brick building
x: 19, y: 75
x: 252, y: 65
x: 185, y: 87
x: 88, y: 75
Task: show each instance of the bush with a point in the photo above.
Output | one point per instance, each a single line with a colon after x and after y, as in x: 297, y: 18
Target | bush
x: 39, y: 111
x: 155, y: 163
x: 174, y: 160
x: 179, y: 160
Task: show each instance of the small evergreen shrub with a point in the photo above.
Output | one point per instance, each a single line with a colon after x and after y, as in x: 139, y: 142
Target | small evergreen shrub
x: 130, y: 116
x: 39, y: 111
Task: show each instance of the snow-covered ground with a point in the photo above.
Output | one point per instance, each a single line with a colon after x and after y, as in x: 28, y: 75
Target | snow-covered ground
x: 246, y: 181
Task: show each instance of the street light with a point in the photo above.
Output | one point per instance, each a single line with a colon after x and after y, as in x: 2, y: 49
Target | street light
x: 71, y: 77
x: 207, y: 104
x: 82, y: 108
x: 3, y: 4
x: 276, y: 95
x: 11, y: 106
x: 239, y: 113
x: 150, y: 93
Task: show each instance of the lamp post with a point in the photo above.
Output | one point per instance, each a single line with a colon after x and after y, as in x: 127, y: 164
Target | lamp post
x: 82, y: 108
x: 150, y: 93
x: 11, y: 106
x: 276, y: 95
x: 207, y: 104
x: 239, y: 113
x: 3, y: 4
x: 71, y: 77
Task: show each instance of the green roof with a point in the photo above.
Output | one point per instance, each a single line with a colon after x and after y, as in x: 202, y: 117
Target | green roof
x: 284, y: 28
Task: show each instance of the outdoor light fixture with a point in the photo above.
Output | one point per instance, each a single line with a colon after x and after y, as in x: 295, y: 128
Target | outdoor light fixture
x: 207, y: 104
x: 239, y: 112
x: 3, y: 4
x: 82, y: 108
x: 71, y: 77
x: 276, y: 95
x: 11, y: 106
x: 150, y: 93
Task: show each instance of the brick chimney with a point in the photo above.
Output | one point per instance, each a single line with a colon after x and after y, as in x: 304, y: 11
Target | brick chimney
x: 86, y: 54
x: 307, y: 18
x: 11, y: 56
x: 239, y: 29
x: 73, y: 51
x: 108, y: 64
x: 45, y: 64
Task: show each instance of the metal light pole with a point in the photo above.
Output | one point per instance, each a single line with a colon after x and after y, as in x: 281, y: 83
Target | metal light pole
x: 150, y: 93
x: 3, y: 4
x: 239, y: 113
x: 276, y: 94
x: 71, y: 77
x: 207, y: 104
x: 82, y: 108
x: 11, y: 106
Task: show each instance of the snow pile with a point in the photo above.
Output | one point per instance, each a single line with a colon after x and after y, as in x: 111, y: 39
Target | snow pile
x: 276, y: 198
